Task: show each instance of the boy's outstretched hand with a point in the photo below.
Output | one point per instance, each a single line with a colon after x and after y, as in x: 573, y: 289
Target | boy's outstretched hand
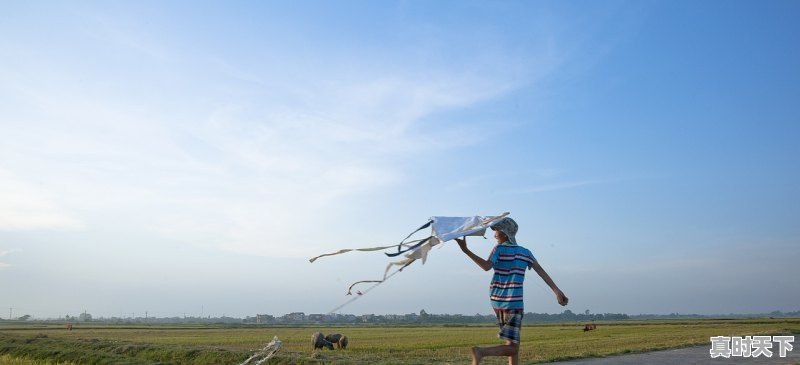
x: 562, y: 299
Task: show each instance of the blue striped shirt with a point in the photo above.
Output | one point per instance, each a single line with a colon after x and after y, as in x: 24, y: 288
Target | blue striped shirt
x: 509, y: 262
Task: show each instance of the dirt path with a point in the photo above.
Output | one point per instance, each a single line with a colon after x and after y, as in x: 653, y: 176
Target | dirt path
x: 688, y: 356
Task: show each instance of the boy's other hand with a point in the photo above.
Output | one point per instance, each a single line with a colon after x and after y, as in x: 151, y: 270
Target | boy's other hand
x: 562, y: 299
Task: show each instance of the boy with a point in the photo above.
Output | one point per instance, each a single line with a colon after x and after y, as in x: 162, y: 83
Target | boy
x: 509, y: 262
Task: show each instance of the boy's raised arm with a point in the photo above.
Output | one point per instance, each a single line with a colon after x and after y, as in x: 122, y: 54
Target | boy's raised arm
x: 486, y: 265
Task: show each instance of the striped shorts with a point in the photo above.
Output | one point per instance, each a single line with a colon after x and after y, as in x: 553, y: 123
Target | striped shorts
x: 510, y: 322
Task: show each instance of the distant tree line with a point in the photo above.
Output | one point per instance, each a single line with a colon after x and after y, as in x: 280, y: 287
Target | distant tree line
x: 425, y: 318
x: 422, y: 317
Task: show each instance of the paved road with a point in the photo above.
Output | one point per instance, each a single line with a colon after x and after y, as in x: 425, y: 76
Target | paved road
x: 688, y: 356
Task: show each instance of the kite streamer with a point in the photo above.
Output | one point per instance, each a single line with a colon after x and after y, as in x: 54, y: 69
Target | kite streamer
x: 367, y: 249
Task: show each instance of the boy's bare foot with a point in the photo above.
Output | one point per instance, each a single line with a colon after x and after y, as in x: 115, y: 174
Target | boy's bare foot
x: 476, y: 355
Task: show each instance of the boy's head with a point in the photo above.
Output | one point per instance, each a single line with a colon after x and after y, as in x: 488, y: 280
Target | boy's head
x: 505, y: 230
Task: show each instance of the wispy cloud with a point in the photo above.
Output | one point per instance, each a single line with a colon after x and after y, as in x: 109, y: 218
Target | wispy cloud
x: 476, y: 180
x: 562, y: 186
x: 6, y: 253
x: 305, y: 161
x: 231, y: 160
x: 577, y: 184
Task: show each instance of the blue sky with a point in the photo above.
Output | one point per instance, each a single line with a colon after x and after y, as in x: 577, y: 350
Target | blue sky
x: 179, y: 157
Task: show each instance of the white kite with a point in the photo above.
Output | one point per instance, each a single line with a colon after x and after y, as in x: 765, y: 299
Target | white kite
x: 443, y: 229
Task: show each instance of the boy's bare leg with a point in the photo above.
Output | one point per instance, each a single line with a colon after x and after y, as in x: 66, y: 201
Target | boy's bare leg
x: 476, y: 355
x: 514, y: 359
x: 510, y: 349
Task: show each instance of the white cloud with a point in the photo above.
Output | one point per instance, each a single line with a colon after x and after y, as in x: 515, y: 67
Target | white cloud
x: 578, y: 184
x: 4, y: 253
x: 561, y: 186
x: 237, y: 157
x: 306, y: 163
x: 236, y: 176
x: 7, y: 252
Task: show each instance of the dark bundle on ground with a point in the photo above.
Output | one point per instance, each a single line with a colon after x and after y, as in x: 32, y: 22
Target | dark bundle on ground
x: 337, y: 338
x: 318, y: 341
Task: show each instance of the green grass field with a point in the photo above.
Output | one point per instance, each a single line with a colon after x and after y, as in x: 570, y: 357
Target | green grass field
x: 98, y: 344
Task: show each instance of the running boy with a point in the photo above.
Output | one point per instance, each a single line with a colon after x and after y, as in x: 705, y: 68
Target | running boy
x: 509, y: 262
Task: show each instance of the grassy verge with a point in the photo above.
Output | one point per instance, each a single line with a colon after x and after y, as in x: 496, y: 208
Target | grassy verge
x: 368, y: 345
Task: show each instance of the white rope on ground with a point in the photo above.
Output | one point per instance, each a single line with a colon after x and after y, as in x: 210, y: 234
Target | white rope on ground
x: 267, y: 352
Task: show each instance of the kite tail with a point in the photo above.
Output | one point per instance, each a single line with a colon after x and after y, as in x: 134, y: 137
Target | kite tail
x: 365, y: 249
x: 377, y: 282
x: 386, y: 275
x: 426, y: 225
x: 418, y: 248
x: 414, y: 247
x: 350, y: 289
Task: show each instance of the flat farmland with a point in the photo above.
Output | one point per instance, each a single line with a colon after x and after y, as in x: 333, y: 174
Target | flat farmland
x: 36, y: 344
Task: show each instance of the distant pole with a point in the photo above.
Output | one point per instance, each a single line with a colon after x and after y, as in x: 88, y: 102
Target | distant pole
x: 10, y: 310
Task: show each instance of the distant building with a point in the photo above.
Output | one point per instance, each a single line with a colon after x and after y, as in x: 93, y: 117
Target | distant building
x: 316, y: 317
x: 295, y: 317
x: 264, y: 318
